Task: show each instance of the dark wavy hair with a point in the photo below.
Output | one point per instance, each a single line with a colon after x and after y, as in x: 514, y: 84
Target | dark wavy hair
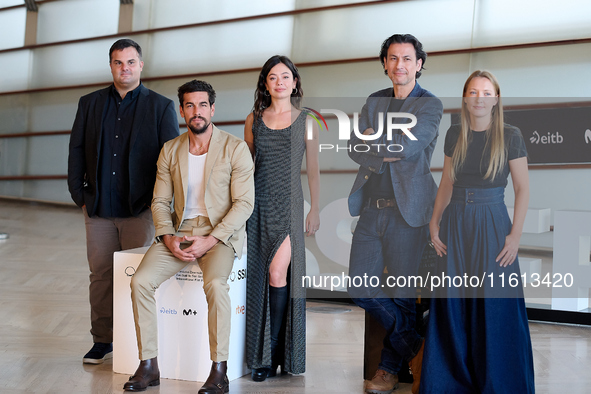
x: 403, y: 39
x: 196, y: 86
x: 123, y: 43
x: 262, y: 101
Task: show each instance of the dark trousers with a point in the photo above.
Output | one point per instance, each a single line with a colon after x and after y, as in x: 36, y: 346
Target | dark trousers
x: 381, y: 239
x: 105, y: 236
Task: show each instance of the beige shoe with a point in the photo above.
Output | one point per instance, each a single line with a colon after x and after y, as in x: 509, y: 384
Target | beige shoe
x: 382, y: 383
x: 416, y: 365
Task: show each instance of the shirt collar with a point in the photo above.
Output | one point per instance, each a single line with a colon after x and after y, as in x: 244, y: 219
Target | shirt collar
x: 132, y: 94
x: 416, y: 91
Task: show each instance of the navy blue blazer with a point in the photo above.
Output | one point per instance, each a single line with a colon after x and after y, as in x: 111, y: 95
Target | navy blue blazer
x: 154, y: 123
x: 414, y: 186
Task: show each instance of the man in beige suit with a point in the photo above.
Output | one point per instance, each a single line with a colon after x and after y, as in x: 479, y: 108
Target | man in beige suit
x: 210, y: 175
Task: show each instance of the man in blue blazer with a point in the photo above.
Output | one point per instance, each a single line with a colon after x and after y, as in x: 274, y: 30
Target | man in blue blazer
x: 115, y: 142
x: 394, y: 193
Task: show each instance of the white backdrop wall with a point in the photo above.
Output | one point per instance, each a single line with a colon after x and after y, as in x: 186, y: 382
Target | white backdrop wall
x: 535, y: 74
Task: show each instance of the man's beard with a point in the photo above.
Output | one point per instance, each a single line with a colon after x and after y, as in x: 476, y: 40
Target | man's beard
x: 198, y: 130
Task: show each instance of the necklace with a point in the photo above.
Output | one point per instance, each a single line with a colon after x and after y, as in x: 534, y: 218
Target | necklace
x: 199, y: 150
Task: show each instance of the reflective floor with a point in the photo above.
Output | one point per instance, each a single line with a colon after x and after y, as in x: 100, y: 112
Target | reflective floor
x: 44, y: 324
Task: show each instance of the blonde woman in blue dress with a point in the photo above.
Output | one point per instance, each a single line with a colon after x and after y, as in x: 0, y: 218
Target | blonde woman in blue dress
x: 478, y: 340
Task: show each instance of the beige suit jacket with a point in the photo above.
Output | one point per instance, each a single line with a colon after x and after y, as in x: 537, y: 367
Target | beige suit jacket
x: 229, y: 190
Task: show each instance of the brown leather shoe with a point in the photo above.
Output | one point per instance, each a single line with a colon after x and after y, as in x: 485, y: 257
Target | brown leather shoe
x: 147, y: 374
x: 416, y: 365
x: 217, y: 382
x: 382, y: 383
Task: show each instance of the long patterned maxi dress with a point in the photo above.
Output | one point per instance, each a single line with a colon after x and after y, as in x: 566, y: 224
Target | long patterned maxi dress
x: 278, y: 212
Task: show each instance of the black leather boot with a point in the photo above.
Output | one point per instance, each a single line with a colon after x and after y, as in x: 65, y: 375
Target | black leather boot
x: 278, y: 299
x: 217, y: 381
x: 147, y: 374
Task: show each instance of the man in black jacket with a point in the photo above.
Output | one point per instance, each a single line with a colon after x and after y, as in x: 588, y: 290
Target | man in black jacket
x: 115, y: 142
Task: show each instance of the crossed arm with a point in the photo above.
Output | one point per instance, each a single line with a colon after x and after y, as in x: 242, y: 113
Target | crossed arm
x: 428, y: 111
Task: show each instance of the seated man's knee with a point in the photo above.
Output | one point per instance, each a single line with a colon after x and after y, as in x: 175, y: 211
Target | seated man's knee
x: 361, y: 302
x: 215, y: 286
x: 140, y: 283
x: 364, y: 293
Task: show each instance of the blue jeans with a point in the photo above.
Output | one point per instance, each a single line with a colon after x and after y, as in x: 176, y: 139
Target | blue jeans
x: 381, y: 239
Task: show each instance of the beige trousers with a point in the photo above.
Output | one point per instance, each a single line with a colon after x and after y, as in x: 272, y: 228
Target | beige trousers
x: 158, y: 265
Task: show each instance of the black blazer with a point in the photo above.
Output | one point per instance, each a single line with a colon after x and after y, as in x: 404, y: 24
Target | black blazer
x: 155, y: 122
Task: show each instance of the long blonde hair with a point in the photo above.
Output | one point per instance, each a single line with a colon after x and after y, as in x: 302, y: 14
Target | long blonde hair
x: 495, y: 135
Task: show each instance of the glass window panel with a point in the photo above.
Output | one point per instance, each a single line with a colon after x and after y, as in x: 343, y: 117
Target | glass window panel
x: 35, y: 156
x: 12, y: 188
x: 48, y: 190
x: 532, y: 72
x: 13, y: 24
x: 73, y: 19
x: 344, y: 34
x: 165, y: 13
x: 10, y: 3
x: 71, y: 64
x: 444, y: 75
x: 235, y: 94
x: 141, y: 14
x: 13, y: 112
x: 329, y: 81
x: 323, y: 3
x: 237, y: 131
x: 54, y: 111
x: 12, y: 156
x: 15, y: 70
x: 47, y: 155
x: 219, y: 47
x: 501, y: 22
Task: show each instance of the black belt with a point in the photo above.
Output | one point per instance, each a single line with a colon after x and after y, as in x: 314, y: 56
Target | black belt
x: 381, y: 203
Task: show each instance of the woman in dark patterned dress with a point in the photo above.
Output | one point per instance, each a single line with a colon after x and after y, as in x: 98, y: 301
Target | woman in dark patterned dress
x: 478, y: 338
x: 275, y: 299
